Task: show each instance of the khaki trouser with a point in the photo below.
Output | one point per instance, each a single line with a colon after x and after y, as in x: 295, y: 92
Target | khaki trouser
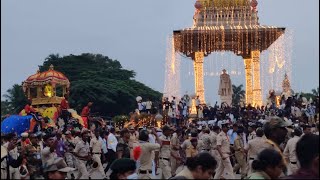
x: 216, y: 155
x: 241, y: 164
x: 147, y: 175
x: 174, y: 164
x: 3, y: 173
x: 69, y: 159
x: 14, y: 173
x: 96, y: 158
x: 83, y: 172
x: 249, y: 167
x: 166, y: 169
x: 224, y: 166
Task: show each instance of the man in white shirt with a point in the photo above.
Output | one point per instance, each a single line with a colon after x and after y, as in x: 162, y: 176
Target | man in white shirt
x: 112, y: 148
x: 148, y: 106
x: 289, y: 152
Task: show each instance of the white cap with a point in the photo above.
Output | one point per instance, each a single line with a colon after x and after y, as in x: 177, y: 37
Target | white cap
x: 25, y: 134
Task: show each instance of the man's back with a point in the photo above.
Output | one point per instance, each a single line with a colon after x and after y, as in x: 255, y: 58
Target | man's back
x: 256, y: 145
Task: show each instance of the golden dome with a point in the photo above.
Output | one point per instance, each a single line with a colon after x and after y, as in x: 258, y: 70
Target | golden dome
x: 51, y: 76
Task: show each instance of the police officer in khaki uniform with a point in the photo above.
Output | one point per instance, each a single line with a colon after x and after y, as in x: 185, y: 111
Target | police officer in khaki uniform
x: 81, y: 152
x: 289, y: 152
x: 165, y: 153
x: 240, y: 154
x: 213, y: 138
x: 206, y: 141
x: 175, y: 146
x: 254, y: 147
x: 223, y: 147
x: 147, y: 149
x: 96, y: 150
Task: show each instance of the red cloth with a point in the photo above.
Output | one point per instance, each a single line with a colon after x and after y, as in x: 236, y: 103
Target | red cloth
x: 85, y: 122
x: 26, y: 142
x: 85, y: 111
x: 28, y: 109
x: 64, y: 104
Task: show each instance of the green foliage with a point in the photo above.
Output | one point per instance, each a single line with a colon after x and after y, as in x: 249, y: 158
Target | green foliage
x: 120, y: 119
x: 238, y: 94
x: 15, y: 100
x: 5, y: 108
x: 102, y: 80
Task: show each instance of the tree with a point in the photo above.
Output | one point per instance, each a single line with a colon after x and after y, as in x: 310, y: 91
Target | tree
x: 102, y: 80
x: 238, y: 94
x: 15, y: 100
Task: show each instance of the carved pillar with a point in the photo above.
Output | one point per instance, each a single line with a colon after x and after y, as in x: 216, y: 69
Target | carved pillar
x: 249, y: 88
x: 198, y: 75
x: 257, y: 95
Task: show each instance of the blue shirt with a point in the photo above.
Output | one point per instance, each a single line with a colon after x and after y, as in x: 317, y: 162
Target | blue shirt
x: 232, y: 136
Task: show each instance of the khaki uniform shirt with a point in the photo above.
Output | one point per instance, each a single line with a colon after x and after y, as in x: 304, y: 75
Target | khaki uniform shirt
x: 255, y: 146
x: 206, y: 142
x: 166, y: 147
x: 213, y: 139
x: 47, y: 155
x: 252, y: 135
x: 146, y: 155
x: 223, y: 141
x: 185, y: 173
x: 77, y: 139
x: 175, y: 143
x: 238, y: 144
x: 96, y: 145
x: 82, y: 148
x: 290, y: 149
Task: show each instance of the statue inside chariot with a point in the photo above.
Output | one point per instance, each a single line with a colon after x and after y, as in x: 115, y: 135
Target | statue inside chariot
x: 48, y: 106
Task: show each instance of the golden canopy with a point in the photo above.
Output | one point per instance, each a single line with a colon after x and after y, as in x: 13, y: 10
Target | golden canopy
x: 41, y: 87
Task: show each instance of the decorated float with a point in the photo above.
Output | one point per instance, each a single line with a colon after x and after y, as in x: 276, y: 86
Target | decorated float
x: 45, y: 90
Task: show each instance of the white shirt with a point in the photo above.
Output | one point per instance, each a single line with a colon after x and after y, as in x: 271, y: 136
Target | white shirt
x: 112, y: 142
x: 148, y: 104
x: 140, y: 107
x: 104, y: 145
x: 152, y: 138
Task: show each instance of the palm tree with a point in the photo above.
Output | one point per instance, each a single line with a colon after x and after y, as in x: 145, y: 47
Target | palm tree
x: 15, y: 98
x: 315, y: 92
x: 238, y: 94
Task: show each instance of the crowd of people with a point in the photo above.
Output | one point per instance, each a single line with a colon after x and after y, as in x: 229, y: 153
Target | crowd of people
x: 226, y: 143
